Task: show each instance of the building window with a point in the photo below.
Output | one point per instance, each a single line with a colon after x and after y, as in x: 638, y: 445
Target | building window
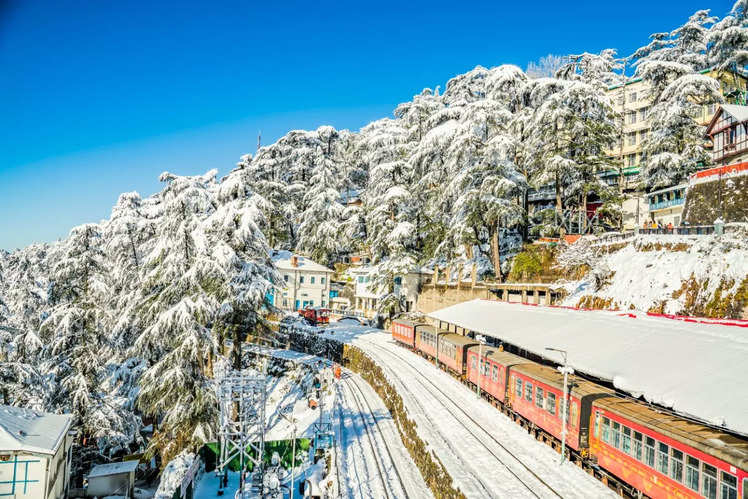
x: 551, y: 403
x: 311, y: 280
x: 643, y: 135
x: 323, y: 303
x: 285, y: 277
x: 539, y: 398
x: 662, y: 458
x: 528, y: 391
x: 301, y: 279
x: 631, y: 139
x: 631, y: 117
x: 709, y: 481
x: 643, y: 114
x: 692, y: 473
x: 632, y: 97
x: 728, y: 487
x: 360, y: 279
x: 322, y: 280
x: 676, y: 465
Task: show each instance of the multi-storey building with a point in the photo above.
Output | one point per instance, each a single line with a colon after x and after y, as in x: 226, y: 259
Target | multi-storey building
x: 633, y: 102
x: 304, y: 282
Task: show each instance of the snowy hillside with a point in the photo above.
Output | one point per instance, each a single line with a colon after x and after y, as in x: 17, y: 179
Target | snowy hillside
x: 682, y: 275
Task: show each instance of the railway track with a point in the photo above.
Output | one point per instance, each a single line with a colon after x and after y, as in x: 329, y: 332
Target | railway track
x: 531, y: 481
x: 359, y: 398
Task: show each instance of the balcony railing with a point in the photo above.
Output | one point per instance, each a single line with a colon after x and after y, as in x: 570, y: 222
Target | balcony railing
x: 666, y: 204
x: 683, y: 230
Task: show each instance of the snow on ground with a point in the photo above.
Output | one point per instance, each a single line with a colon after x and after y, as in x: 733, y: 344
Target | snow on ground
x: 173, y: 474
x: 486, y: 453
x: 642, y: 279
x: 371, y: 457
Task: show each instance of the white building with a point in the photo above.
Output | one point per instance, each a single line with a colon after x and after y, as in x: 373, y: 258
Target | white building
x: 304, y: 282
x: 34, y: 453
x: 367, y: 297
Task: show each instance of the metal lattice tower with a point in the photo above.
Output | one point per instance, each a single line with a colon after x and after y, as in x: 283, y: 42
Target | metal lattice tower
x: 241, y: 425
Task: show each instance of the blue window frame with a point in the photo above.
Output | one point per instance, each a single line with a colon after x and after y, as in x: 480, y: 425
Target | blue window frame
x: 17, y: 485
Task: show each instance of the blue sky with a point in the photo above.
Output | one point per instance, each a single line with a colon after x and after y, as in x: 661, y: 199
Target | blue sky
x: 98, y: 98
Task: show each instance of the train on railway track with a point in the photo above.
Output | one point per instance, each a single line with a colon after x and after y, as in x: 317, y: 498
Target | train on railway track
x: 637, y: 449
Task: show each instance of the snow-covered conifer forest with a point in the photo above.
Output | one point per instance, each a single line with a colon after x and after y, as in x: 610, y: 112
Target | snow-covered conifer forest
x: 121, y: 322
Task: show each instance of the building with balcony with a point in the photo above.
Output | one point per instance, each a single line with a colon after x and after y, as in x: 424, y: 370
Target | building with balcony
x: 304, y: 282
x: 728, y: 131
x: 666, y: 205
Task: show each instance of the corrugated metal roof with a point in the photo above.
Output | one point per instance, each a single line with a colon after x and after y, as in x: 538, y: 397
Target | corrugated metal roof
x: 31, y: 431
x: 282, y: 260
x: 113, y: 468
x: 695, y: 368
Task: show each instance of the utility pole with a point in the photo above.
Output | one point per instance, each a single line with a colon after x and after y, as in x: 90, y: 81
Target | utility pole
x: 293, y: 449
x: 259, y: 139
x: 482, y: 341
x: 566, y: 370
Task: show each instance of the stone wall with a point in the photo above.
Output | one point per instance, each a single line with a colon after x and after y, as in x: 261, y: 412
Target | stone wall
x: 703, y: 201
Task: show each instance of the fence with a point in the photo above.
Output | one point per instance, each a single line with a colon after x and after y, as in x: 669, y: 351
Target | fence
x: 684, y: 230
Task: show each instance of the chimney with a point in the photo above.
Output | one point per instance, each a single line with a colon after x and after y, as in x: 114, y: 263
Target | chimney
x: 294, y: 261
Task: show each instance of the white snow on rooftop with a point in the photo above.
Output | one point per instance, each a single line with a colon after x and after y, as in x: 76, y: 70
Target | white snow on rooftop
x: 113, y: 468
x: 696, y: 368
x: 282, y: 260
x: 31, y: 431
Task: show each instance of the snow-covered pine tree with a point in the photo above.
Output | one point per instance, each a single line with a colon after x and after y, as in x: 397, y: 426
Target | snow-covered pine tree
x: 727, y: 41
x: 390, y: 215
x: 75, y: 346
x: 177, y: 308
x: 245, y: 273
x: 570, y: 132
x: 670, y: 65
x: 124, y: 236
x: 319, y: 231
x: 487, y: 184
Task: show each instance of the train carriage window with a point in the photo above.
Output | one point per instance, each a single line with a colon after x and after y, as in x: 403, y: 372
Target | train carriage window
x: 495, y: 373
x: 649, y: 452
x: 528, y: 391
x: 745, y: 488
x: 539, y: 398
x: 616, y: 434
x: 692, y: 473
x: 728, y: 486
x: 636, y: 448
x: 551, y: 403
x: 472, y: 363
x: 626, y: 447
x: 606, y: 430
x: 709, y: 481
x: 663, y: 458
x: 518, y: 387
x: 676, y: 465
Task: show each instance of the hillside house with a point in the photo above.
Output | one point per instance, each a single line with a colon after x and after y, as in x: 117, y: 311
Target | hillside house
x: 367, y: 297
x: 34, y: 453
x: 728, y: 131
x: 304, y: 282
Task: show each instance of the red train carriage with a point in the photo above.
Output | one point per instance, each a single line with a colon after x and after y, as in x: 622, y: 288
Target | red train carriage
x: 492, y: 369
x: 662, y: 455
x: 426, y: 340
x: 453, y: 350
x: 404, y: 331
x: 536, y: 393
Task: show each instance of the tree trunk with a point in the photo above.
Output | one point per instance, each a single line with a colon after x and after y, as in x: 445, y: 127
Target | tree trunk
x: 496, y: 251
x: 583, y: 211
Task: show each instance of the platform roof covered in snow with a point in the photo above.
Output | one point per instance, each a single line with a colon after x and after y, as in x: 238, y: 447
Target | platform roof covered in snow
x: 697, y: 368
x: 32, y: 431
